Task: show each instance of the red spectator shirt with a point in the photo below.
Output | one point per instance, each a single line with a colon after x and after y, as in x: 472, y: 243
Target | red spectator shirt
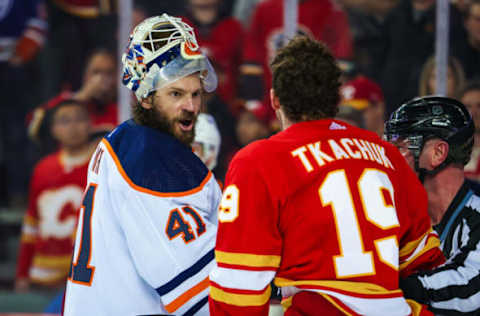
x: 319, y: 19
x: 323, y: 207
x: 56, y: 191
x: 223, y: 46
x: 103, y: 118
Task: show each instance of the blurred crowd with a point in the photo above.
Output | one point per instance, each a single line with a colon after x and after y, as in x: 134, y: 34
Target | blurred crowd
x: 59, y: 77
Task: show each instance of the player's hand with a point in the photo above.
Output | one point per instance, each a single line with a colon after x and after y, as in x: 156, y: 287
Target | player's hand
x: 22, y: 285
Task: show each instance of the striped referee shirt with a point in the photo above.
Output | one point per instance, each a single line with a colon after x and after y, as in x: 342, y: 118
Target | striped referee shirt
x: 454, y: 287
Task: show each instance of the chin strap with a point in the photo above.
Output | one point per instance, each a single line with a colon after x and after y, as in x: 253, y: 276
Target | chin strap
x: 422, y: 172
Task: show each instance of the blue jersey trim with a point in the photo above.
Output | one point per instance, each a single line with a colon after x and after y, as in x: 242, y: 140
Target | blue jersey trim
x: 180, y: 278
x: 455, y: 214
x: 154, y: 160
x: 195, y: 308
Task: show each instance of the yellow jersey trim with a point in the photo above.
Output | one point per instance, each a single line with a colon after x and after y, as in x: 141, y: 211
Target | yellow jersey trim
x: 240, y: 299
x: 56, y: 262
x: 248, y: 260
x: 353, y: 287
x: 433, y: 242
x: 412, y: 245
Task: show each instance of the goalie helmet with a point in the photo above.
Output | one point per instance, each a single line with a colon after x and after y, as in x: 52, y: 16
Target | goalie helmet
x: 424, y: 118
x: 206, y: 143
x: 161, y: 50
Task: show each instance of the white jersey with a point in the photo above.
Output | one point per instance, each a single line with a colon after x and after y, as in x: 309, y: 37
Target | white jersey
x: 146, y: 233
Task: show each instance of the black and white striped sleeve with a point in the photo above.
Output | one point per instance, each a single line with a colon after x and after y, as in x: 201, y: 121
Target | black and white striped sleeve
x: 453, y: 288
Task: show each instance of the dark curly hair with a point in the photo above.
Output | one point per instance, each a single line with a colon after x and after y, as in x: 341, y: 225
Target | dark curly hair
x: 306, y: 80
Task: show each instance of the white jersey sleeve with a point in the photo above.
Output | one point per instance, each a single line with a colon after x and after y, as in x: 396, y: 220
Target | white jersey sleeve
x: 171, y: 242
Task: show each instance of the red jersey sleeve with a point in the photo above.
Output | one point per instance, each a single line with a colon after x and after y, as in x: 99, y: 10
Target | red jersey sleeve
x: 29, y: 229
x: 248, y: 250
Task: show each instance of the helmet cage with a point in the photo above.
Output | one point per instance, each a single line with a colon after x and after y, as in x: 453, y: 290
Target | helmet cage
x: 150, y: 62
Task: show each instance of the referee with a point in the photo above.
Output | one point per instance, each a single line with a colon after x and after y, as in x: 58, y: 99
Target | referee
x: 435, y: 135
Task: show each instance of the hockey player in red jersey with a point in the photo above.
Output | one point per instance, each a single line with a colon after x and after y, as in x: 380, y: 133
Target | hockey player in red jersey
x: 56, y: 190
x: 330, y: 212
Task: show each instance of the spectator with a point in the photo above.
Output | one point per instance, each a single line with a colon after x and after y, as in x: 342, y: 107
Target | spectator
x: 243, y: 9
x: 23, y: 29
x: 411, y: 35
x: 251, y: 128
x: 461, y: 4
x: 97, y: 93
x: 76, y: 28
x: 467, y: 50
x: 221, y: 39
x: 56, y: 190
x: 455, y: 77
x: 470, y: 96
x: 366, y: 96
x: 139, y: 14
x: 320, y: 19
x: 435, y: 135
x: 367, y: 23
x: 159, y: 7
x: 350, y: 115
x: 98, y: 90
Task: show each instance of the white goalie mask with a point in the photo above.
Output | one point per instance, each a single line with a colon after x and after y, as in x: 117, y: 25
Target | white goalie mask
x: 206, y: 144
x: 161, y: 50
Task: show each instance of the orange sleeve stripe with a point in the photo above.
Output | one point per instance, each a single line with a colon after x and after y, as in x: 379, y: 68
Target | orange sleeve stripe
x: 182, y: 299
x: 410, y: 247
x: 246, y: 259
x: 242, y: 300
x: 148, y: 191
x: 432, y: 242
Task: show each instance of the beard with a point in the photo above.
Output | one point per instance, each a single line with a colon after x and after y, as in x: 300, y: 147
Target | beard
x: 157, y: 119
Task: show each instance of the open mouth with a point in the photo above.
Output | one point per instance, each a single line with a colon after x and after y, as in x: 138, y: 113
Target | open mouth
x: 186, y: 125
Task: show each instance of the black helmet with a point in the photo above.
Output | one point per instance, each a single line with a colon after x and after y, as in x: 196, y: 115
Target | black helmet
x: 429, y: 117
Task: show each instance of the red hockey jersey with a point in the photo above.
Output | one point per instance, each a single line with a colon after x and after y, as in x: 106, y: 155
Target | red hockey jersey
x: 56, y: 191
x: 323, y: 207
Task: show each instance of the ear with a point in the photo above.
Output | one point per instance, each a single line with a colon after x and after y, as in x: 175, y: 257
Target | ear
x: 147, y: 103
x: 274, y: 100
x: 439, y: 153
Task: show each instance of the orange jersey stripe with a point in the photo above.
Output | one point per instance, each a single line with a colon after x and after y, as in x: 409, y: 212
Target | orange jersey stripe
x: 182, y: 299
